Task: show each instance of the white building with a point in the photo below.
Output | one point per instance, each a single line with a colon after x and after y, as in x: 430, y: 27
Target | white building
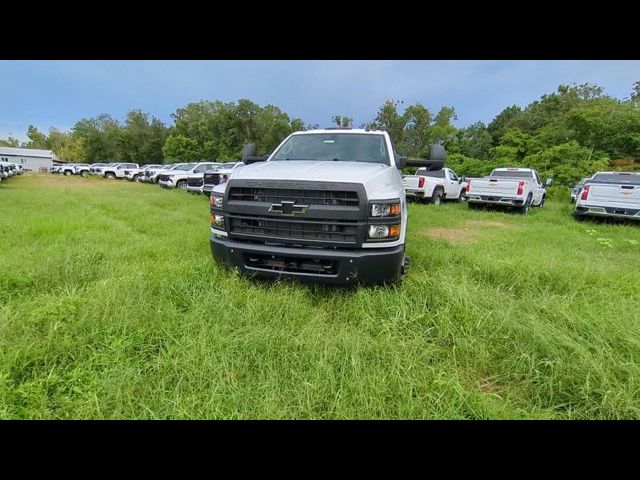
x: 31, y: 159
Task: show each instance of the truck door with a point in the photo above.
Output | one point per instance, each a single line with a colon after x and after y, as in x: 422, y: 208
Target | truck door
x: 452, y: 184
x: 538, y: 189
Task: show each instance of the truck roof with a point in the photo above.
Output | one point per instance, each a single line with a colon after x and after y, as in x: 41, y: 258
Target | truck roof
x: 360, y: 131
x: 512, y: 169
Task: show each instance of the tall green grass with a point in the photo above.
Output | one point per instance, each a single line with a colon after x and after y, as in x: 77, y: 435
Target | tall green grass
x: 111, y: 307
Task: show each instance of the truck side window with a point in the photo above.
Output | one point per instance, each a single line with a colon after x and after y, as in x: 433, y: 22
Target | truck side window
x: 453, y: 176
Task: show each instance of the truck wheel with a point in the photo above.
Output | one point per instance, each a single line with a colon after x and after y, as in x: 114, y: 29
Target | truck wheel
x: 525, y: 208
x: 541, y: 203
x: 463, y: 196
x: 67, y: 172
x: 136, y: 178
x: 181, y: 184
x: 109, y: 176
x: 84, y: 174
x: 436, y: 198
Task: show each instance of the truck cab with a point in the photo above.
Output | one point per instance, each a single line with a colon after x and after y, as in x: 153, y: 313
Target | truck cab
x: 326, y: 206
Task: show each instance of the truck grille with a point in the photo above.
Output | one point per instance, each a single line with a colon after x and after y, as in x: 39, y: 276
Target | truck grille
x: 291, y: 264
x: 317, y: 231
x: 163, y: 178
x: 306, y: 197
x: 195, y: 182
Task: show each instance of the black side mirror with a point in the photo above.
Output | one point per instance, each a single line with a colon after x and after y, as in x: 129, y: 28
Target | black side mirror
x: 549, y: 182
x: 401, y: 162
x: 249, y: 154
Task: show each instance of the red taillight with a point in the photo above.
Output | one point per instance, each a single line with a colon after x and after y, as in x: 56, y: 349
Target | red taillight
x: 468, y: 186
x: 520, y: 188
x: 585, y: 192
x: 421, y: 182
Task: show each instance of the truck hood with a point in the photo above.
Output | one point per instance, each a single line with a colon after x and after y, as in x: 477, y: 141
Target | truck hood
x: 380, y: 181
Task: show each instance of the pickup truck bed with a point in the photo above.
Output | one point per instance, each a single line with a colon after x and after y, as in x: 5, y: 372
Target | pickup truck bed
x: 610, y: 194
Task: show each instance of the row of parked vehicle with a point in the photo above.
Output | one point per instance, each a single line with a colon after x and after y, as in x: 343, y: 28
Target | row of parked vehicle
x: 605, y: 194
x: 196, y: 177
x: 8, y: 170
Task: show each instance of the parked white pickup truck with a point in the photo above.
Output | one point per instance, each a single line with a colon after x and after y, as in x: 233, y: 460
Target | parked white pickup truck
x: 610, y: 194
x: 518, y: 188
x: 435, y: 185
x: 135, y: 174
x: 117, y: 170
x: 177, y: 178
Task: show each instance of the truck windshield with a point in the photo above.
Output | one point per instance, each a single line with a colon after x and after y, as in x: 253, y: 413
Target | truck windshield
x: 512, y: 174
x: 616, y: 178
x: 343, y: 147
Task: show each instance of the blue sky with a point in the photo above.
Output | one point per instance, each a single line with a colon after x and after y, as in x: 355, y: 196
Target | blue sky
x: 59, y: 93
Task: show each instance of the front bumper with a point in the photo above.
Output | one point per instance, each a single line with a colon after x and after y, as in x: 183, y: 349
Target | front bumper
x: 319, y: 265
x: 606, y: 211
x: 495, y: 200
x: 194, y: 189
x: 166, y: 183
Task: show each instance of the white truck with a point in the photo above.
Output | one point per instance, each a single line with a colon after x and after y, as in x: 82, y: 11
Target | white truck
x: 218, y: 175
x: 195, y: 182
x: 117, y: 170
x: 135, y: 174
x: 177, y: 178
x: 151, y: 174
x: 81, y: 169
x: 326, y: 206
x: 519, y: 188
x: 435, y: 185
x: 97, y: 168
x: 610, y: 194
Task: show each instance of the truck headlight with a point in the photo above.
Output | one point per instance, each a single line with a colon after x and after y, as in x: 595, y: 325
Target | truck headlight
x: 215, y: 201
x: 384, y: 232
x: 217, y: 221
x: 385, y: 209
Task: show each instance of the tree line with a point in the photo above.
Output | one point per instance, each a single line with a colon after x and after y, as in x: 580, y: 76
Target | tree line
x: 568, y: 134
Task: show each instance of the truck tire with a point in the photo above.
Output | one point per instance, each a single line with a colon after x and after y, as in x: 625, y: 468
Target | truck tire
x: 436, y: 198
x: 463, y: 196
x: 84, y: 174
x: 541, y: 202
x: 136, y: 178
x: 525, y: 208
x: 182, y: 184
x: 110, y: 175
x: 67, y: 173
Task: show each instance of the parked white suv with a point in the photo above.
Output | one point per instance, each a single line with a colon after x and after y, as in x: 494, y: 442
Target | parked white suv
x: 435, y: 185
x: 518, y: 188
x: 177, y: 178
x: 610, y: 194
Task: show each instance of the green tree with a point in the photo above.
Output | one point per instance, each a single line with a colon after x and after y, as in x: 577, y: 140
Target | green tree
x: 180, y: 148
x: 37, y: 139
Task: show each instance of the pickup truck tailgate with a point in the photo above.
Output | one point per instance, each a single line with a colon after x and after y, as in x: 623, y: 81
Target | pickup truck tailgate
x: 494, y: 188
x: 623, y: 195
x: 410, y: 181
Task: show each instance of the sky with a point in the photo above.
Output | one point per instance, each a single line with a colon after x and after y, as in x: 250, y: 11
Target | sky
x: 59, y: 93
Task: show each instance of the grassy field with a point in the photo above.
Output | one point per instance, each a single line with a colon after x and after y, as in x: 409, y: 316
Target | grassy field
x: 111, y: 307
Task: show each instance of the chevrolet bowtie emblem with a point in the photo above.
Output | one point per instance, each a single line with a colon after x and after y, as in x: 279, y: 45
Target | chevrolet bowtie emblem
x: 288, y: 208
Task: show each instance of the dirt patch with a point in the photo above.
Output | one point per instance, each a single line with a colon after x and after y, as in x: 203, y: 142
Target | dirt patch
x: 466, y: 234
x: 453, y: 235
x: 487, y: 223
